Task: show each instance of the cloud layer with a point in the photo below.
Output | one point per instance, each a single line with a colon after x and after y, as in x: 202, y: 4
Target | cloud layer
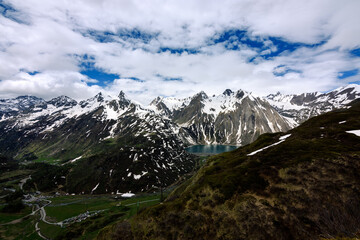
x: 176, y: 48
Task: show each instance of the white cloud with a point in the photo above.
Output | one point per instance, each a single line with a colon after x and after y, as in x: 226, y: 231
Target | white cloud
x: 56, y: 35
x: 48, y: 85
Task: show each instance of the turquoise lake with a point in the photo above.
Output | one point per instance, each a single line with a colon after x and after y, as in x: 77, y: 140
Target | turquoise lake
x: 209, y: 149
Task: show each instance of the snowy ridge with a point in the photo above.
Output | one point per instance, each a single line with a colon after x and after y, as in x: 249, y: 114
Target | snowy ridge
x: 61, y: 109
x: 171, y: 102
x: 303, y: 106
x: 229, y: 118
x: 225, y: 102
x: 21, y: 103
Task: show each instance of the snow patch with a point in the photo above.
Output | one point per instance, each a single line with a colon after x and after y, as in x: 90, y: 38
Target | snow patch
x: 127, y: 195
x: 282, y: 139
x: 95, y: 187
x: 75, y: 159
x: 356, y: 132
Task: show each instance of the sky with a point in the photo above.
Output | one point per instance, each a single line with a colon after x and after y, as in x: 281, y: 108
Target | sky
x: 176, y: 48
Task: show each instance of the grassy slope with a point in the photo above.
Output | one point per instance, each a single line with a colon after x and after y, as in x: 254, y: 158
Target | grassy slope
x: 304, y: 188
x: 20, y: 231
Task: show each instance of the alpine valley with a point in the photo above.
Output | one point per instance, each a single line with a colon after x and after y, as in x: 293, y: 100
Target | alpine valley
x: 128, y: 147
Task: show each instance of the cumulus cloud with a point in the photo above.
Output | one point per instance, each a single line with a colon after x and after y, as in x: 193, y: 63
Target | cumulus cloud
x: 260, y: 46
x: 48, y: 85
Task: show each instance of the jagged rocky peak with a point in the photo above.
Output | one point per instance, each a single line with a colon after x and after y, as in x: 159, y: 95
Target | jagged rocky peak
x: 156, y: 101
x: 201, y: 95
x: 62, y: 101
x: 160, y: 105
x: 240, y: 94
x: 124, y: 102
x: 30, y: 100
x: 228, y: 92
x: 278, y: 96
x: 99, y: 97
x: 122, y: 97
x: 272, y: 95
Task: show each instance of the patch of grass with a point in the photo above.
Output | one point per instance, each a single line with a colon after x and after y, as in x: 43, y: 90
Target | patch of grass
x: 8, y: 217
x: 22, y: 230
x: 15, y: 174
x: 49, y: 231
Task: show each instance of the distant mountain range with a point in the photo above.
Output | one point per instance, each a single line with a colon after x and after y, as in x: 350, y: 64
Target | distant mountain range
x: 301, y: 107
x: 147, y: 140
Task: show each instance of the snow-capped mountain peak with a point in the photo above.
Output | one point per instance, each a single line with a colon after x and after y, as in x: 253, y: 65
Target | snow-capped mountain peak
x: 240, y: 94
x: 123, y: 100
x: 14, y: 106
x: 62, y: 101
x: 228, y: 92
x: 224, y: 118
x: 200, y: 96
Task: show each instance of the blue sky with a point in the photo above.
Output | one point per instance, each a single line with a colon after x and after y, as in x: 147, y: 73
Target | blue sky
x: 176, y: 48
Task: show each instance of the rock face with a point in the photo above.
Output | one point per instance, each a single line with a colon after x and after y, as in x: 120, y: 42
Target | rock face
x: 299, y: 108
x: 303, y: 184
x: 230, y: 118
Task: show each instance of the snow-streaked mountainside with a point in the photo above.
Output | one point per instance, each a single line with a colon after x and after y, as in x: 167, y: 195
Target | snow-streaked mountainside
x: 301, y: 107
x: 128, y: 147
x: 132, y: 142
x: 230, y: 118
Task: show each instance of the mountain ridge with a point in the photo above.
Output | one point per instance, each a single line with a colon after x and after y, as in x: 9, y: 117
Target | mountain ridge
x: 301, y: 107
x: 200, y: 119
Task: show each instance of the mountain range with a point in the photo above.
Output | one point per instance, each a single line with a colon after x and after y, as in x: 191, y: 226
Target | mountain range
x: 138, y: 148
x: 300, y: 107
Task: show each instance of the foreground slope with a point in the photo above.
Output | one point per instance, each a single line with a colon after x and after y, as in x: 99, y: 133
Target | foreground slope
x: 300, y: 186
